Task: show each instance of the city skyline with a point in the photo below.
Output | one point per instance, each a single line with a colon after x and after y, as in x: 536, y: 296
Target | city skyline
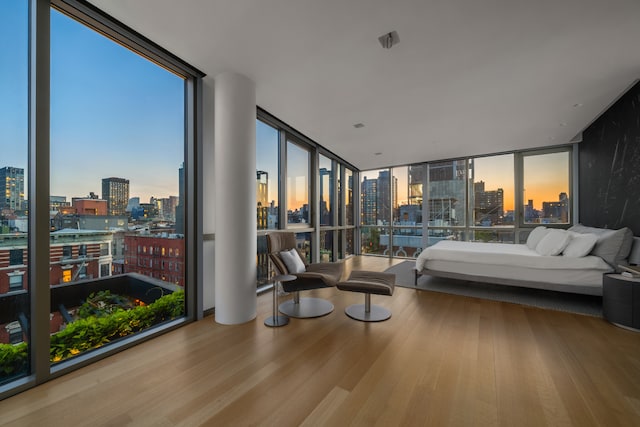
x: 113, y: 112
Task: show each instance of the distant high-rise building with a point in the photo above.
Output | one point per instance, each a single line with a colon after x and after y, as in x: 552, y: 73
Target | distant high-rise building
x: 12, y: 182
x: 369, y: 191
x: 116, y: 192
x: 556, y: 211
x: 384, y: 196
x: 488, y: 206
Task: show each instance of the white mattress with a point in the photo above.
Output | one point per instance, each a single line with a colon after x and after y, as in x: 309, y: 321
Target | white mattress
x: 513, y: 262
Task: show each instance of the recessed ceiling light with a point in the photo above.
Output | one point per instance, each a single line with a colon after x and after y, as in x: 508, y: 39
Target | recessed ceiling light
x: 577, y: 105
x: 358, y: 125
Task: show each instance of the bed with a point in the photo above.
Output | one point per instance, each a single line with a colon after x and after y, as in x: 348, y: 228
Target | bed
x: 551, y: 263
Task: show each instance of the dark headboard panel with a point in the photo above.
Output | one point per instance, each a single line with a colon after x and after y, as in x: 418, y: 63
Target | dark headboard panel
x: 610, y: 166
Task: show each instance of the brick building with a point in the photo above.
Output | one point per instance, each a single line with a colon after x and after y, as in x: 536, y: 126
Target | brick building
x: 74, y: 255
x: 160, y: 256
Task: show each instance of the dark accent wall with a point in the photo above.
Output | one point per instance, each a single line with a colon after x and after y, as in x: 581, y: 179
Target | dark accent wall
x: 610, y: 166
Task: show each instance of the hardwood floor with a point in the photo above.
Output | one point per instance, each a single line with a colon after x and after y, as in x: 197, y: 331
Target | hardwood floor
x: 440, y: 360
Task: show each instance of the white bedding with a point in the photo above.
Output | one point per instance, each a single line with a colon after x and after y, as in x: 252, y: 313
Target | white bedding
x: 504, y: 254
x: 515, y: 262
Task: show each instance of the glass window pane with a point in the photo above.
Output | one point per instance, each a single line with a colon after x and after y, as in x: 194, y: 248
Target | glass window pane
x: 350, y: 242
x: 546, y: 188
x: 407, y: 211
x: 14, y: 126
x: 400, y: 194
x: 327, y: 197
x: 374, y: 240
x: 447, y: 193
x: 267, y: 176
x: 303, y: 243
x: 117, y: 152
x: 262, y: 262
x: 348, y: 196
x: 375, y: 191
x: 326, y: 246
x: 297, y: 185
x: 492, y: 192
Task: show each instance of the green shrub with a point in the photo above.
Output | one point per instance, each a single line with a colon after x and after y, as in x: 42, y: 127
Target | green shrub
x: 13, y: 359
x: 102, y: 304
x: 93, y: 332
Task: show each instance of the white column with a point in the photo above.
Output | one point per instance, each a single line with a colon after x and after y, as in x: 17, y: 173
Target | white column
x: 235, y: 199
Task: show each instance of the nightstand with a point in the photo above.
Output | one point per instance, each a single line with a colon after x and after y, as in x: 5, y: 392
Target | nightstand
x: 621, y: 300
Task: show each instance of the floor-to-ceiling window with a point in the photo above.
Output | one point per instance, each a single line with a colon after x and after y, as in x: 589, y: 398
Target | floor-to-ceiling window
x: 446, y: 200
x: 105, y: 141
x: 375, y: 211
x: 267, y: 192
x: 347, y: 220
x: 327, y: 208
x: 117, y: 152
x: 546, y: 190
x: 302, y: 188
x: 14, y: 168
x: 407, y: 211
x: 492, y: 198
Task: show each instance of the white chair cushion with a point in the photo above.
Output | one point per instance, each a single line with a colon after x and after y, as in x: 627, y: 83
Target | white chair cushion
x: 292, y: 260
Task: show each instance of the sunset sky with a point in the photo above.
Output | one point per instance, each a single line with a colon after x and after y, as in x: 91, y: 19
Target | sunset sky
x: 113, y: 113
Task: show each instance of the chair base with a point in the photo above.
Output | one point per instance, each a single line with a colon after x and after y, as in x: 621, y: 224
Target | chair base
x: 275, y: 321
x: 306, y: 308
x: 375, y: 313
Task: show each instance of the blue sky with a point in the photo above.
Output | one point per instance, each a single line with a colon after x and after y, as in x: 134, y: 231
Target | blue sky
x: 113, y: 113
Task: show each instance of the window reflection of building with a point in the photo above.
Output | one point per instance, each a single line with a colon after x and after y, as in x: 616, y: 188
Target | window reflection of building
x: 262, y: 196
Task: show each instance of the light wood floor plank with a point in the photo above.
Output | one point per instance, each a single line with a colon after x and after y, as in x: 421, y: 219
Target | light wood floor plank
x: 440, y: 360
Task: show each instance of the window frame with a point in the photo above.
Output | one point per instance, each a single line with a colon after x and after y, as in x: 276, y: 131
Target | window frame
x: 38, y: 254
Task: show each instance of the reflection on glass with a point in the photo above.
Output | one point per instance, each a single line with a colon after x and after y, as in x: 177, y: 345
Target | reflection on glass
x: 297, y: 185
x: 491, y: 194
x: 262, y: 262
x: 267, y: 176
x: 303, y: 243
x: 546, y: 188
x: 14, y: 125
x: 117, y: 190
x: 326, y: 246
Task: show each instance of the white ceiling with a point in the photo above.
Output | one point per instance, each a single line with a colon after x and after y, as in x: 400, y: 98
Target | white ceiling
x: 468, y: 76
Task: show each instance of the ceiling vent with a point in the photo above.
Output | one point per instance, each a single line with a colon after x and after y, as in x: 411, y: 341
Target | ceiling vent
x: 390, y: 39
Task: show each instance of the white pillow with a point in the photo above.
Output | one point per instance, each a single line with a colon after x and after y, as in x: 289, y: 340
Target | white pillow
x: 580, y: 245
x: 292, y: 260
x: 535, y: 236
x: 553, y: 243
